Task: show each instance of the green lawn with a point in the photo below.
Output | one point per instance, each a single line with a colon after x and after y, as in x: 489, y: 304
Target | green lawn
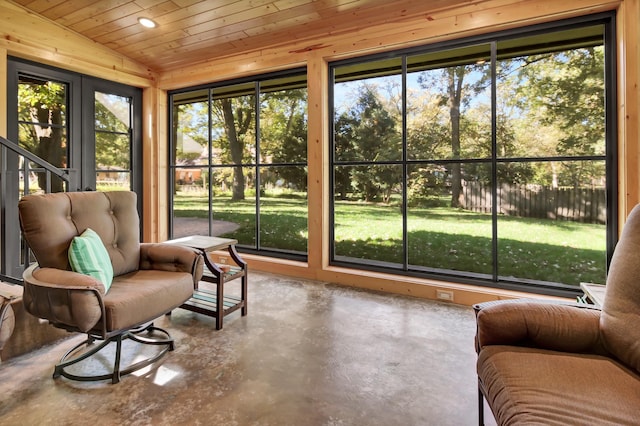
x: 438, y: 237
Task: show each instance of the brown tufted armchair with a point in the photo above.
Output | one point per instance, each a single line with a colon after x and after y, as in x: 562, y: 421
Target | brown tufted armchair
x: 566, y: 364
x: 149, y: 279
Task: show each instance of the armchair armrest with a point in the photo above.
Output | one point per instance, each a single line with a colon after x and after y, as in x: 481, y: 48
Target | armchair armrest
x: 173, y: 258
x: 67, y: 299
x: 546, y: 325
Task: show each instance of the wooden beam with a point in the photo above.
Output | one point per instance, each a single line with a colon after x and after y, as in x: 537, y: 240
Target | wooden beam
x: 318, y: 163
x: 628, y: 110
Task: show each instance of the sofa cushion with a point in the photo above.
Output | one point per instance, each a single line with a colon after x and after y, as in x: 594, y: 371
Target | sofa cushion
x: 162, y: 292
x: 621, y: 309
x: 536, y: 386
x: 88, y: 256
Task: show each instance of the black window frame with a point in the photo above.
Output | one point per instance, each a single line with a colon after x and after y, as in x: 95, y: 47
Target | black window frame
x: 256, y: 81
x: 608, y: 20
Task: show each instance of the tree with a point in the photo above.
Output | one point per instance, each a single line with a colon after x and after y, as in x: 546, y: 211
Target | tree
x: 112, y: 132
x: 567, y: 89
x: 367, y: 132
x: 42, y: 113
x: 449, y: 85
x: 283, y: 134
x: 344, y: 150
x: 236, y: 117
x: 191, y: 127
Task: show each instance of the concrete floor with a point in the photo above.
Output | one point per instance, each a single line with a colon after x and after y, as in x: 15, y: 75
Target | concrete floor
x: 308, y: 353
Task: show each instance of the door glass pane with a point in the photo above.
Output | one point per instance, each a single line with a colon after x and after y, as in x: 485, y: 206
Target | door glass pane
x: 42, y: 119
x: 113, y: 142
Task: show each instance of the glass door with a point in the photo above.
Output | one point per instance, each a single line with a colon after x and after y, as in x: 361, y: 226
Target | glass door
x: 86, y: 127
x: 113, y: 150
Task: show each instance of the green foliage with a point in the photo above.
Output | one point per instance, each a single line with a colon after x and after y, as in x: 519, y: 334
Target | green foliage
x: 547, y: 105
x: 190, y: 131
x: 283, y: 136
x: 565, y: 91
x: 283, y: 139
x: 42, y: 114
x: 113, y: 145
x: 368, y: 132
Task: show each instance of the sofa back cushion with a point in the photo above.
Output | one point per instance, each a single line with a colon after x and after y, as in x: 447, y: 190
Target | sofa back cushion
x: 50, y: 221
x: 620, y: 319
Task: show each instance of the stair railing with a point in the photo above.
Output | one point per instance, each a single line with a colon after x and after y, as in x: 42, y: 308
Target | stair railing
x: 14, y: 158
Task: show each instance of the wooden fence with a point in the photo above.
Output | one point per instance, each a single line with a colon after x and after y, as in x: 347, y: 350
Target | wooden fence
x: 574, y: 204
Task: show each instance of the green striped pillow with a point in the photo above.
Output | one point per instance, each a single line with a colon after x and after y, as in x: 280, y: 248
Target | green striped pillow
x: 88, y: 255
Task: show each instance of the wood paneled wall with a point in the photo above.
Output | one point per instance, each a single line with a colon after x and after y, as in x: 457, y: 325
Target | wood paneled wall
x: 27, y: 36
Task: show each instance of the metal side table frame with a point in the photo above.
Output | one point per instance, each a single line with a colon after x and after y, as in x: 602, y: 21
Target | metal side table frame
x: 216, y: 304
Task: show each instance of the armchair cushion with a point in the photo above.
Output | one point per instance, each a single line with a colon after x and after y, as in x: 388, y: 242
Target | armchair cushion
x: 66, y: 298
x: 171, y: 258
x: 538, y: 386
x: 555, y: 326
x: 620, y: 321
x: 88, y: 255
x: 162, y: 291
x: 49, y: 223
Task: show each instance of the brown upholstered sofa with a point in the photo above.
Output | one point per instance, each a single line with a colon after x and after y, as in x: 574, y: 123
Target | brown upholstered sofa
x: 565, y: 364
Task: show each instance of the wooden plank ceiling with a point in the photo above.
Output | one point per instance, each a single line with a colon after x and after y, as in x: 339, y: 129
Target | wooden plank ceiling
x: 192, y: 31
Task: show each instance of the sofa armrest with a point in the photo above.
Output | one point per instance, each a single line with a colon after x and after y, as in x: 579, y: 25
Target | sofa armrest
x: 546, y: 325
x: 173, y: 258
x: 67, y: 299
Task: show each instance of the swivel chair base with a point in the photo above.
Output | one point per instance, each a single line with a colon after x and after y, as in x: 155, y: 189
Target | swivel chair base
x: 70, y: 358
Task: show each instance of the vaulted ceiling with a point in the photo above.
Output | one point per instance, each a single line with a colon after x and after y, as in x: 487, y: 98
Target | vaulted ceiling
x: 192, y: 31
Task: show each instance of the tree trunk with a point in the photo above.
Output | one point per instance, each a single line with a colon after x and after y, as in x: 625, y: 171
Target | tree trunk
x: 236, y: 151
x: 50, y: 148
x: 456, y: 76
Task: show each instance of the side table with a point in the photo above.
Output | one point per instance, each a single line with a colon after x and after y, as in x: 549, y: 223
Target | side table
x: 593, y: 293
x: 216, y: 304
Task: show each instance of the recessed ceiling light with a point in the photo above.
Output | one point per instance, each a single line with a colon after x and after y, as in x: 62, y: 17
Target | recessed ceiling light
x: 146, y: 22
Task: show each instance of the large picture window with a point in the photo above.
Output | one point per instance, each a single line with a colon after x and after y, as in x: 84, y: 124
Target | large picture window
x: 489, y: 160
x: 239, y: 163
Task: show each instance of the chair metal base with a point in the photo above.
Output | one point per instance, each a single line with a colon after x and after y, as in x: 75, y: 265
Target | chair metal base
x: 69, y: 359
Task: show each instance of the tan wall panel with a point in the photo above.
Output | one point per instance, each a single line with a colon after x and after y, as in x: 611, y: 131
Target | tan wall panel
x: 151, y: 150
x: 162, y: 167
x: 318, y: 162
x: 155, y: 165
x: 628, y: 110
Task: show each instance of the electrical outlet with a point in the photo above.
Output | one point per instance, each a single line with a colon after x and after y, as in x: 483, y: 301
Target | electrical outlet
x: 444, y: 295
